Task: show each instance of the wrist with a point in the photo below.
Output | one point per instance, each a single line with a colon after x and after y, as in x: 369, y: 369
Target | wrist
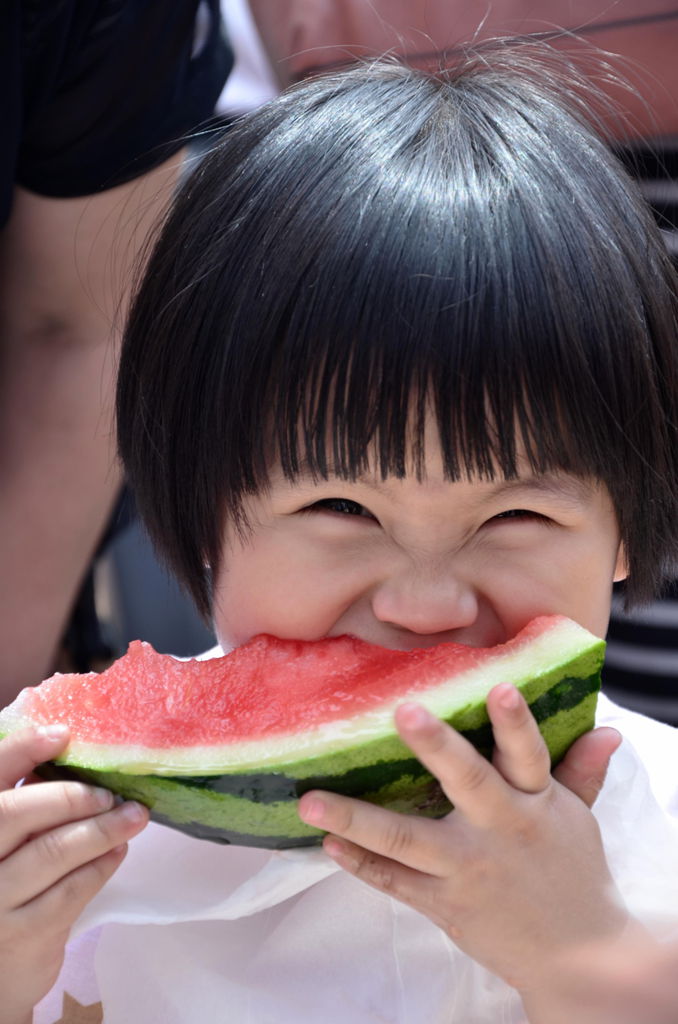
x: 578, y: 987
x: 542, y: 1007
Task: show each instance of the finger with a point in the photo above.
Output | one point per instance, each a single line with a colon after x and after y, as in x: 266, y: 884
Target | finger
x: 521, y: 754
x: 403, y: 883
x: 27, y: 810
x: 22, y: 751
x: 584, y: 767
x: 410, y: 840
x: 44, y: 861
x: 63, y: 903
x: 468, y: 779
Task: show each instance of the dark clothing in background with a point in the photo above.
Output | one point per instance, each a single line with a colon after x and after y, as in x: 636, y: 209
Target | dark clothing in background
x: 97, y: 92
x: 641, y: 663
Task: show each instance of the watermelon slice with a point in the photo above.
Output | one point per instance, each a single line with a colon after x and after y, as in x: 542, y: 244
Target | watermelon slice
x: 223, y: 749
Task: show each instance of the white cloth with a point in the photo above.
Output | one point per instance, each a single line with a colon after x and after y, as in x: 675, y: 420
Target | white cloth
x: 252, y: 80
x: 195, y: 932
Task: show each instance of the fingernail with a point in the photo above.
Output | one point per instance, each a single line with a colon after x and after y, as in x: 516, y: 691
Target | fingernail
x: 52, y: 732
x: 414, y: 716
x: 132, y: 811
x: 333, y: 847
x: 312, y: 810
x: 509, y: 697
x: 341, y: 853
x: 103, y: 797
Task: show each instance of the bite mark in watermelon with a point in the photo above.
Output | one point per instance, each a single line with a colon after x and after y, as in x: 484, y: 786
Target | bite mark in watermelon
x: 224, y: 748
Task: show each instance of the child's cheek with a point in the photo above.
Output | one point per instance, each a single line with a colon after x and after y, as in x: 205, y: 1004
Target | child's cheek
x: 269, y: 590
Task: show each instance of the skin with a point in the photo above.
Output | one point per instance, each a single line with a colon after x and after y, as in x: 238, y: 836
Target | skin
x: 59, y: 843
x: 404, y: 564
x: 66, y: 271
x: 634, y: 979
x: 517, y: 872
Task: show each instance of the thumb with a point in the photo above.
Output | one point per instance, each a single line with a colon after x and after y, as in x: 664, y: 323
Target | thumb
x: 22, y: 751
x: 584, y: 767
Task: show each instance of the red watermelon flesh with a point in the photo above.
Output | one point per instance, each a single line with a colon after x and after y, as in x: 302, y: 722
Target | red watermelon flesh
x: 264, y: 688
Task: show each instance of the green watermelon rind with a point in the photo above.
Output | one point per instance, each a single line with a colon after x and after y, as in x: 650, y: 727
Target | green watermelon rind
x: 248, y: 817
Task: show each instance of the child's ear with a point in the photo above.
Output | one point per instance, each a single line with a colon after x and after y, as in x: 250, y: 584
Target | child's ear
x: 621, y: 568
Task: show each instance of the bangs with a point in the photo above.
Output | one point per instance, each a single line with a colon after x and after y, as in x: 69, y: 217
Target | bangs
x: 507, y: 357
x: 490, y: 279
x: 382, y: 244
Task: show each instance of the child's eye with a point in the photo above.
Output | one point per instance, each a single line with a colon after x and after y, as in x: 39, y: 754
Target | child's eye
x: 344, y: 506
x: 519, y: 513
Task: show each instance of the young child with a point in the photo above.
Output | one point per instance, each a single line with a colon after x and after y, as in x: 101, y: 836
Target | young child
x: 402, y: 365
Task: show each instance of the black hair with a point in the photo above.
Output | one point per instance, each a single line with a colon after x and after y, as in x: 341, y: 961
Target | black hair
x: 383, y: 239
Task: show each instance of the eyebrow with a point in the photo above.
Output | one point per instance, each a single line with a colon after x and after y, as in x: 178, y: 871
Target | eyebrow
x: 572, y: 488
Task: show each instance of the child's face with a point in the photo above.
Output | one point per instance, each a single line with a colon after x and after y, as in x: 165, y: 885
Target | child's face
x: 407, y: 563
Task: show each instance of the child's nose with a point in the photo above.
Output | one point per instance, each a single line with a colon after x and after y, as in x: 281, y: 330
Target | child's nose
x: 424, y: 602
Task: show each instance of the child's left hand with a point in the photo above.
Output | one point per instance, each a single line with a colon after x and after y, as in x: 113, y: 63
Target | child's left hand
x: 516, y: 872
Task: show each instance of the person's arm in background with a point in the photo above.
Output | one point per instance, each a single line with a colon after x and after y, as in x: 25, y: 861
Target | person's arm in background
x: 101, y: 99
x: 66, y: 267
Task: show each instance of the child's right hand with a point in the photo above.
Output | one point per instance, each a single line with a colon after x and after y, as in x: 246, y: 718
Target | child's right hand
x: 59, y: 843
